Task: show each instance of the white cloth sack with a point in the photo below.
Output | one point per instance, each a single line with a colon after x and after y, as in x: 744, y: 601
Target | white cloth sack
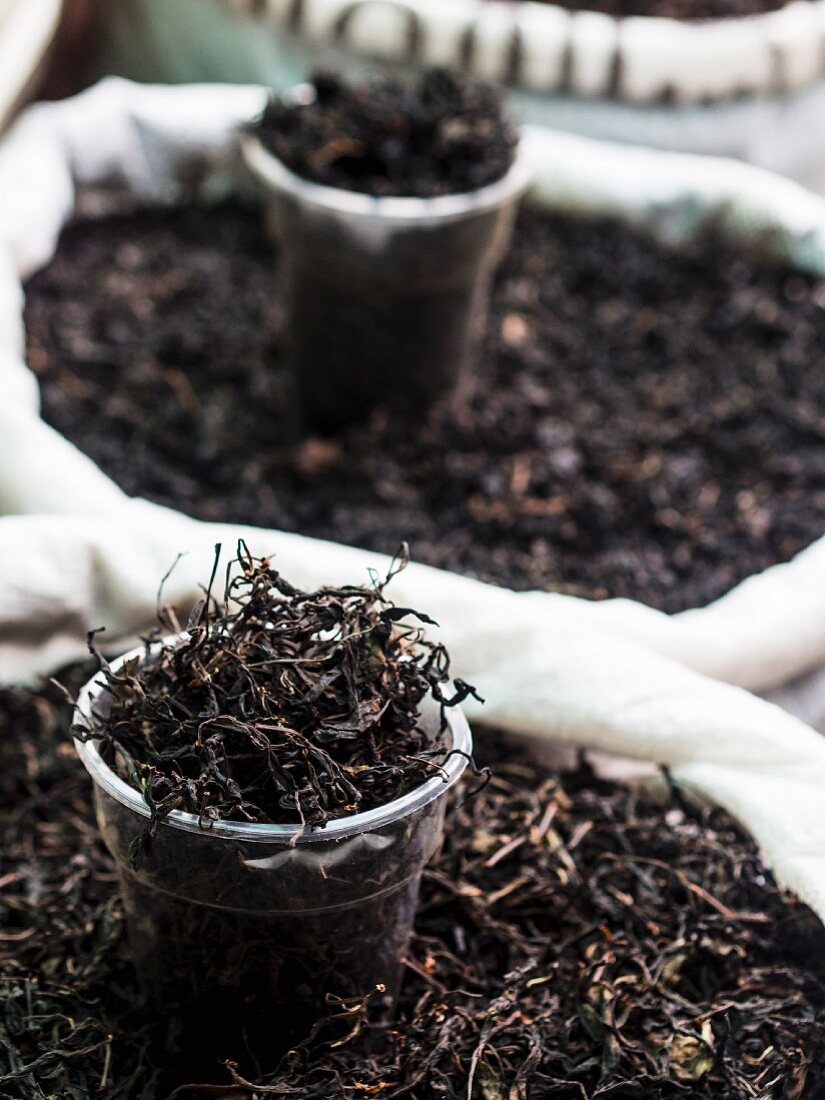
x: 749, y: 87
x: 77, y: 554
x: 27, y: 30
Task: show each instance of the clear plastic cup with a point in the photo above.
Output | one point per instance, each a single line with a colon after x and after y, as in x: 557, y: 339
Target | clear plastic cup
x: 385, y: 299
x: 258, y: 923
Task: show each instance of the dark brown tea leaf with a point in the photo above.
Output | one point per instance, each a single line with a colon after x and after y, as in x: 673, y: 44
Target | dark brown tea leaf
x: 437, y: 135
x: 550, y: 894
x: 646, y: 424
x: 278, y: 706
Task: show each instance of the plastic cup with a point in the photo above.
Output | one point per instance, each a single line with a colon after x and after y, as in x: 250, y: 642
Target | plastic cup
x: 385, y: 299
x: 257, y: 923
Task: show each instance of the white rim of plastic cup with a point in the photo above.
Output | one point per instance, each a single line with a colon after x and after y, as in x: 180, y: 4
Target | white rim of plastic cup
x: 386, y: 207
x: 103, y: 776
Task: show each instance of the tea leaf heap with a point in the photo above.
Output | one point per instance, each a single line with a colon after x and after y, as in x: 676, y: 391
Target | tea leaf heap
x: 278, y: 706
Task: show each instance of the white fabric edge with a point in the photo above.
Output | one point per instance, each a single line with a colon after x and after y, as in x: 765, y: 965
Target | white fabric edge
x: 27, y: 31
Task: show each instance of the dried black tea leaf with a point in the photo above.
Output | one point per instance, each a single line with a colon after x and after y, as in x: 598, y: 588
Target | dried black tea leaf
x: 278, y: 706
x: 555, y: 901
x: 438, y: 134
x: 645, y: 425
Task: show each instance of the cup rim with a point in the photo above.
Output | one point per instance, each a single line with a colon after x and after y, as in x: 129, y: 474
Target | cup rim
x: 398, y: 208
x: 108, y: 781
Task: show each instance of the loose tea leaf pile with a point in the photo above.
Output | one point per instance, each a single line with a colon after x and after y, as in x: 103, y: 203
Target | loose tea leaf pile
x: 645, y: 424
x: 279, y: 707
x: 575, y: 940
x: 436, y: 135
x: 685, y: 10
x: 68, y: 1023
